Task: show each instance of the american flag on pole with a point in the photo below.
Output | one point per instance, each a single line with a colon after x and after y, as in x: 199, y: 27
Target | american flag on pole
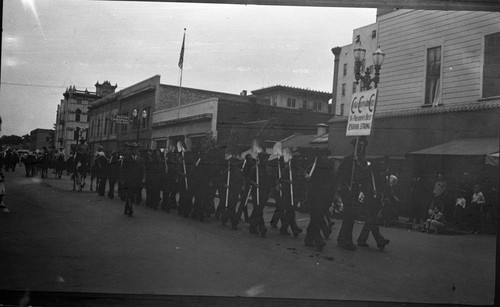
x: 181, y: 57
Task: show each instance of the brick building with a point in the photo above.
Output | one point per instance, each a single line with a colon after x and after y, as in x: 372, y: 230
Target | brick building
x: 71, y: 116
x: 41, y: 138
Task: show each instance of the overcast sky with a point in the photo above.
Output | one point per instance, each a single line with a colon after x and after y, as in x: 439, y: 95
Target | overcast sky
x: 48, y: 45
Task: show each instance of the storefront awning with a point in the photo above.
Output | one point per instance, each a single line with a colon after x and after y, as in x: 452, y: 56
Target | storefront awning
x: 463, y: 147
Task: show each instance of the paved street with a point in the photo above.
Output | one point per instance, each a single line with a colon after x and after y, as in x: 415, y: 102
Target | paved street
x: 56, y: 239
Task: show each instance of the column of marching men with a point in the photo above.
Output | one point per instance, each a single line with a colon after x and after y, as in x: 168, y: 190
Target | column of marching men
x: 191, y: 182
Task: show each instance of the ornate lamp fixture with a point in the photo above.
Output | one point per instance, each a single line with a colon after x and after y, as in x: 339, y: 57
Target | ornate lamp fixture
x: 359, y: 55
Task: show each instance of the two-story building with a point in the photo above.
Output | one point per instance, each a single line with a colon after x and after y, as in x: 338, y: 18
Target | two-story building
x: 40, y: 138
x: 156, y: 115
x: 124, y: 116
x: 294, y: 98
x: 439, y: 93
x: 71, y: 117
x: 199, y: 114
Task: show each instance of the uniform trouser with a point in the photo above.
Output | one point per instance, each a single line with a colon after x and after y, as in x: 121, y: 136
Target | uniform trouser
x: 185, y: 202
x: 370, y: 226
x: 243, y: 205
x: 198, y: 206
x: 325, y: 224
x: 279, y: 211
x: 345, y: 233
x: 288, y: 220
x: 153, y: 196
x: 257, y: 220
x: 130, y: 198
x: 222, y: 200
x: 313, y: 234
x: 139, y: 195
x: 169, y: 192
x: 102, y: 184
x: 112, y: 183
x: 257, y: 216
x: 230, y: 211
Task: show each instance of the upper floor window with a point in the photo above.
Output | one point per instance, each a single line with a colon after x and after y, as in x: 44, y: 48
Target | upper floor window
x: 290, y: 102
x: 342, y: 109
x: 145, y: 121
x: 374, y: 33
x: 304, y: 104
x: 491, y: 68
x: 343, y: 89
x: 345, y: 69
x: 433, y: 77
x: 124, y: 126
x: 317, y: 106
x: 274, y: 101
x: 354, y: 86
x: 78, y: 115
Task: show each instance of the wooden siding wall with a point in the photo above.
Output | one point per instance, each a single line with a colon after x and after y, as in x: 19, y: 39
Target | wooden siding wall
x: 406, y: 35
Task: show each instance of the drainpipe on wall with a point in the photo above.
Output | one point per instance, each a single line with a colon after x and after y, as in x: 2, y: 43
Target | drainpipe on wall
x: 336, y: 54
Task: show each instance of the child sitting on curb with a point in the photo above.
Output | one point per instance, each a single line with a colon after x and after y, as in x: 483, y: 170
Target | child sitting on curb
x: 435, y: 221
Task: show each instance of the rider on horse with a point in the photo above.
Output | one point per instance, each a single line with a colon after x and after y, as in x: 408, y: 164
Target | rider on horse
x: 82, y: 152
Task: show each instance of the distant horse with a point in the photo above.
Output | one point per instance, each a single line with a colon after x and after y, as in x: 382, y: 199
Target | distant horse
x: 80, y: 168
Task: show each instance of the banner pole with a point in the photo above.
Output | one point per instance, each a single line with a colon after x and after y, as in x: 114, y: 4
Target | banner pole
x: 354, y: 160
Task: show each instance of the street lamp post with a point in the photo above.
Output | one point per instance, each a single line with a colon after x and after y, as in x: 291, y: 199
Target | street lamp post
x: 359, y: 56
x: 138, y: 121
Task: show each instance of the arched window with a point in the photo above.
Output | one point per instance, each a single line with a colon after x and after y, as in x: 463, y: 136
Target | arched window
x: 78, y: 115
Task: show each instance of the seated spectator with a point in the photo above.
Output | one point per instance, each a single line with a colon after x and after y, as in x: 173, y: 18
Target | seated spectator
x: 476, y: 207
x: 435, y: 221
x: 459, y: 211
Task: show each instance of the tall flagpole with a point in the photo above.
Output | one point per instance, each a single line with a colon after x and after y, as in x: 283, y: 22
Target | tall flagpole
x: 181, y: 65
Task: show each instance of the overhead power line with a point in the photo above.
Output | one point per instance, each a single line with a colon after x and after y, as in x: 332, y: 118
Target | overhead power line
x: 45, y: 86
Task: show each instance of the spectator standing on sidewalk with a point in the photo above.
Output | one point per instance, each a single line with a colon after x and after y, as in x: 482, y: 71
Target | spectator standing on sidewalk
x: 476, y: 207
x: 439, y: 192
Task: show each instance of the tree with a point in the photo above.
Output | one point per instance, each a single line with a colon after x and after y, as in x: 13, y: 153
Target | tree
x: 10, y: 140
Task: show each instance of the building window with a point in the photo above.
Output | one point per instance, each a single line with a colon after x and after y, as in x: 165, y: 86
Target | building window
x: 354, y: 87
x: 433, y: 77
x: 345, y: 69
x: 274, y: 101
x: 145, y: 121
x: 343, y: 89
x: 342, y: 109
x: 290, y: 102
x: 304, y: 104
x: 75, y: 135
x: 78, y: 115
x: 491, y: 68
x: 374, y: 33
x: 124, y: 126
x: 98, y: 127
x: 105, y: 125
x: 317, y: 106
